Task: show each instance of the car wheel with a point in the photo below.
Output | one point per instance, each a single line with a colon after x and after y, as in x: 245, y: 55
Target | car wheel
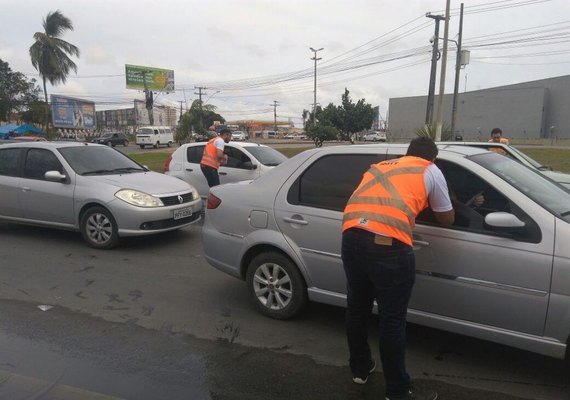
x: 142, y: 146
x: 276, y: 286
x: 156, y: 145
x: 168, y: 144
x: 99, y: 229
x: 125, y: 143
x: 109, y: 144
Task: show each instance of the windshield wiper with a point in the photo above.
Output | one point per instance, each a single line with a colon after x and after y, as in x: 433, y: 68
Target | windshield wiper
x: 98, y: 171
x: 113, y: 171
x: 128, y: 169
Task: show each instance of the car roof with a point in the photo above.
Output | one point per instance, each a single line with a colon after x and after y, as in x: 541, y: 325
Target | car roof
x: 51, y: 145
x: 237, y: 144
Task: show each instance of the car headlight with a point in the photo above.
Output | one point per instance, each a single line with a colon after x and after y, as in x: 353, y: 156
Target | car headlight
x: 138, y: 199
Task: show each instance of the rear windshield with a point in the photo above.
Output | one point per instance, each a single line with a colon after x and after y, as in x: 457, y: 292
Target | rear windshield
x: 267, y: 155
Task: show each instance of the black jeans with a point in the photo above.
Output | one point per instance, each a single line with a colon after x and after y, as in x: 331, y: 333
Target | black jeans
x: 211, y: 175
x: 387, y: 274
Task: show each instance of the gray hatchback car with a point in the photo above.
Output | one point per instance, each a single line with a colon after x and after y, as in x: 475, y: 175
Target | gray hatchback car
x: 93, y: 189
x: 501, y: 273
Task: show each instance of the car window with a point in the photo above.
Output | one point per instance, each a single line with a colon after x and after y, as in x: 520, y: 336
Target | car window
x: 329, y: 181
x: 194, y: 154
x: 9, y: 162
x: 463, y: 187
x: 98, y: 160
x: 236, y: 157
x: 40, y: 161
x: 267, y: 155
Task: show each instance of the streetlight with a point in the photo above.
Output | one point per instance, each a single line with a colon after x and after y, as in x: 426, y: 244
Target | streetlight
x: 315, y: 91
x: 210, y: 96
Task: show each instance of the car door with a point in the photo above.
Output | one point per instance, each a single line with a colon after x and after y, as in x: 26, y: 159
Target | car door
x: 44, y: 200
x: 308, y: 211
x: 481, y: 276
x: 238, y: 167
x: 192, y: 171
x: 10, y: 165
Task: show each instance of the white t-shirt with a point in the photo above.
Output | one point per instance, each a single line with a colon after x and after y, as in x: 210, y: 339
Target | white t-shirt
x: 219, y: 143
x: 436, y: 189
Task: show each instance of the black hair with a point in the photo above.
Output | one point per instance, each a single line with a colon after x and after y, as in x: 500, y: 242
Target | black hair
x: 496, y: 130
x: 423, y: 147
x: 225, y: 131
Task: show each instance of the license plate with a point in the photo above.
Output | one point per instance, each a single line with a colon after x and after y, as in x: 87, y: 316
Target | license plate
x: 182, y: 213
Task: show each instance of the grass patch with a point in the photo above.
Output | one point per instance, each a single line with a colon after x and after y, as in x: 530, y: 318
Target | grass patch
x: 155, y: 161
x: 558, y: 159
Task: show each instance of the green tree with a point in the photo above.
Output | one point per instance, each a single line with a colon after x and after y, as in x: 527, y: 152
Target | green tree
x: 305, y: 114
x: 349, y: 117
x: 17, y: 93
x: 198, y: 118
x: 50, y: 54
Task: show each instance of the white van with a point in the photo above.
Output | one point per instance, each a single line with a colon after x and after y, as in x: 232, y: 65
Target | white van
x: 154, y: 136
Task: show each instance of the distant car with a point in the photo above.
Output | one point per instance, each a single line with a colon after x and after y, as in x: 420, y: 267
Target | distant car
x: 112, y: 139
x: 204, y: 137
x: 516, y: 154
x: 239, y: 136
x: 246, y: 161
x: 295, y: 136
x: 93, y: 189
x: 500, y: 273
x: 375, y: 137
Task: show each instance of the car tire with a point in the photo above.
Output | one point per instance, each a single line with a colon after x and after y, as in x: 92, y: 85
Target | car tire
x: 168, y: 144
x: 125, y: 143
x: 141, y: 146
x: 109, y: 144
x: 276, y: 286
x: 156, y: 145
x: 99, y: 229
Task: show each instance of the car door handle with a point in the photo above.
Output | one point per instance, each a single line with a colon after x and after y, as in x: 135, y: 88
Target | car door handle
x: 26, y: 189
x: 422, y: 243
x: 222, y: 173
x: 295, y: 221
x: 189, y: 170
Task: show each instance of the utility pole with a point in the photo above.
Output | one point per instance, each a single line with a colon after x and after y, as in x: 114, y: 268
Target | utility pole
x: 434, y: 58
x: 200, y: 88
x: 148, y: 97
x: 275, y: 104
x: 457, y: 69
x: 442, y: 78
x: 315, y: 91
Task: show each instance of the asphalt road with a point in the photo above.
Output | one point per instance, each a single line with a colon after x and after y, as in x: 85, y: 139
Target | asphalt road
x: 152, y: 320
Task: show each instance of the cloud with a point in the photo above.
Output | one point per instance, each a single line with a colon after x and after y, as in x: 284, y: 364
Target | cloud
x: 97, y: 55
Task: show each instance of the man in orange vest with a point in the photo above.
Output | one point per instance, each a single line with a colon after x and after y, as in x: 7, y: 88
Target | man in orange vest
x: 214, y: 156
x: 379, y: 260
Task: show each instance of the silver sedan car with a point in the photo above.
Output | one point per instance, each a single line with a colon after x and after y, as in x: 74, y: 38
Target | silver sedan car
x: 501, y: 273
x: 93, y: 189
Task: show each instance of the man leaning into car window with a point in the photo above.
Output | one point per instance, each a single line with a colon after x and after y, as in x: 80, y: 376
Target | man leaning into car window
x: 214, y: 156
x: 379, y: 260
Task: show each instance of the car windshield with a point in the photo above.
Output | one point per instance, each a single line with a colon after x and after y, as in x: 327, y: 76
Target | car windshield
x: 544, y: 191
x: 96, y: 160
x: 267, y: 155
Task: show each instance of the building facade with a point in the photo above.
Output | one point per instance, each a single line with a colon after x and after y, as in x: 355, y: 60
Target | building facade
x: 529, y: 110
x: 129, y: 119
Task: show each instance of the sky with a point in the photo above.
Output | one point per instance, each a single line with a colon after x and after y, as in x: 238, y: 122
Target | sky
x: 250, y: 53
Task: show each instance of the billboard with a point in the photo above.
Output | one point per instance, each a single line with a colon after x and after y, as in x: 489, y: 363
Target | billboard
x: 68, y: 112
x: 158, y: 80
x: 142, y: 117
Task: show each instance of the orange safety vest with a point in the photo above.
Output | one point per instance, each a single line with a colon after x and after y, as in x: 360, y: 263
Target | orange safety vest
x: 210, y: 156
x: 390, y: 196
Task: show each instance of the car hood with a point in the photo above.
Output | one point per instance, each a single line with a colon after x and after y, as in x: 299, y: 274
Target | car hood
x: 149, y: 182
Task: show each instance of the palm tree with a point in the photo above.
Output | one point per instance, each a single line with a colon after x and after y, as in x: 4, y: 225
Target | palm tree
x: 50, y: 54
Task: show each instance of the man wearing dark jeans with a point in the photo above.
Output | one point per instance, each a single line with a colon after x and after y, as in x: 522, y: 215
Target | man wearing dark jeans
x: 379, y: 261
x: 214, y: 156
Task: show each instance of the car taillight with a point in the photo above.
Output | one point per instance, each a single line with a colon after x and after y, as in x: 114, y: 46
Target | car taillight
x: 213, y: 202
x: 167, y: 164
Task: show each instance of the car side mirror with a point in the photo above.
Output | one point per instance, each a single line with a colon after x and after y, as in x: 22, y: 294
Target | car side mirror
x: 55, y: 176
x: 503, y: 221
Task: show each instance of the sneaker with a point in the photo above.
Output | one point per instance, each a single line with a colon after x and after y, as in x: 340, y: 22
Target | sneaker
x: 415, y: 394
x: 361, y: 380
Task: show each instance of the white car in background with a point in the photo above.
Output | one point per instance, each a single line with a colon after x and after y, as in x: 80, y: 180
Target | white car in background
x: 239, y: 136
x: 374, y: 137
x: 246, y: 161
